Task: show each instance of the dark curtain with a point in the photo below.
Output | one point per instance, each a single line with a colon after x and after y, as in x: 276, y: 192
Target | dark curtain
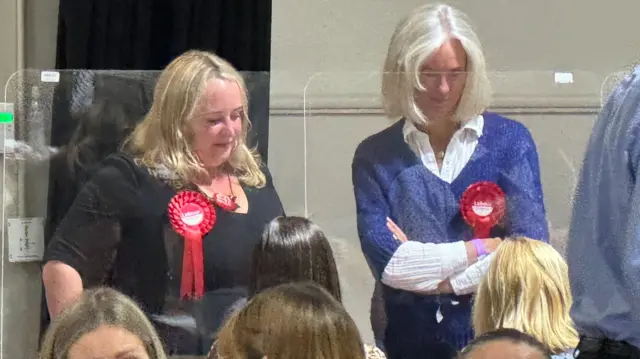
x: 148, y: 34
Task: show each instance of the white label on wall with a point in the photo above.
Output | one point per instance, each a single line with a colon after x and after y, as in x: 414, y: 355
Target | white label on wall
x: 26, y: 239
x: 563, y: 77
x: 50, y: 76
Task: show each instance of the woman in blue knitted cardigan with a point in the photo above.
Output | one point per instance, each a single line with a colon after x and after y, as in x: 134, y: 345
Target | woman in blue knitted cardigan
x: 409, y: 178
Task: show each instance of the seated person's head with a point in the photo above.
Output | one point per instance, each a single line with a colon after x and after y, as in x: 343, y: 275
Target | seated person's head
x: 527, y: 288
x: 104, y: 324
x: 293, y: 249
x: 290, y: 321
x: 505, y: 344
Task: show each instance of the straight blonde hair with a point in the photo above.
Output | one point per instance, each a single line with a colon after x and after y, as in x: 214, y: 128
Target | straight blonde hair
x: 161, y: 142
x: 527, y: 288
x: 419, y: 35
x: 95, y: 308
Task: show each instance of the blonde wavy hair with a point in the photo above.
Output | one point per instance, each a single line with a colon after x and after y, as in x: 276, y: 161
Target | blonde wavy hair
x: 95, y: 308
x: 290, y: 321
x: 527, y: 289
x: 162, y: 141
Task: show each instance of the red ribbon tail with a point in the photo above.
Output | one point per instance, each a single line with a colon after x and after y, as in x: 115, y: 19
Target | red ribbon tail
x: 198, y: 269
x: 481, y: 232
x: 192, y: 285
x: 186, y: 284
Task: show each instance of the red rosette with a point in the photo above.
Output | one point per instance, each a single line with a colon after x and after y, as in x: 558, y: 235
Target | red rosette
x: 192, y: 216
x: 483, y: 205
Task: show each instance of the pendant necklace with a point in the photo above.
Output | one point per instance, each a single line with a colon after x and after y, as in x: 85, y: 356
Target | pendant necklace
x: 232, y: 197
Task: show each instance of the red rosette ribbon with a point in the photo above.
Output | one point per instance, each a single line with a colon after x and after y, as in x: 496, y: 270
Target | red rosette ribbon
x: 192, y: 216
x: 483, y: 206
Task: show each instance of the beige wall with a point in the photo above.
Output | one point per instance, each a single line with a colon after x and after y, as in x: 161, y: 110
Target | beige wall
x: 341, y: 45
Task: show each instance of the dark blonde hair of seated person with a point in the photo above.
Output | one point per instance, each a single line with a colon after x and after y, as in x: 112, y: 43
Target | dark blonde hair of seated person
x: 294, y: 249
x: 290, y: 321
x: 96, y: 308
x: 162, y: 141
x: 527, y: 288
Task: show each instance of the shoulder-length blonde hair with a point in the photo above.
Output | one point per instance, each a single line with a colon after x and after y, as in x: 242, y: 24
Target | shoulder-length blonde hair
x: 418, y: 36
x: 290, y: 321
x: 95, y: 308
x: 162, y: 141
x: 527, y: 289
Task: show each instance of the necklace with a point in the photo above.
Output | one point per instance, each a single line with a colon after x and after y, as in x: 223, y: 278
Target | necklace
x: 440, y: 155
x: 228, y: 202
x: 232, y: 197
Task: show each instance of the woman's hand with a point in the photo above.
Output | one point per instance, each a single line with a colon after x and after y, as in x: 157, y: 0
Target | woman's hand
x: 396, y: 231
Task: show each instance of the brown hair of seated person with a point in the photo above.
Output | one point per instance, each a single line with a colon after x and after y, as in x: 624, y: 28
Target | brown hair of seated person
x: 527, y: 288
x: 290, y: 321
x: 294, y: 249
x: 83, y: 324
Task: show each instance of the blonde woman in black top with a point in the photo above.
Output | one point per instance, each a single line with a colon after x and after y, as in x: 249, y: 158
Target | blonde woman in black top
x: 187, y: 187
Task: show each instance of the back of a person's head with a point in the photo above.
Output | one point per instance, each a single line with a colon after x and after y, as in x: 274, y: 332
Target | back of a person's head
x: 294, y: 249
x: 527, y: 288
x: 98, y: 309
x: 290, y: 321
x: 505, y: 344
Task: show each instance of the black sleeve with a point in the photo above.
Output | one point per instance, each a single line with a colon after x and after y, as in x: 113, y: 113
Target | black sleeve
x: 88, y: 235
x: 270, y: 184
x: 54, y: 197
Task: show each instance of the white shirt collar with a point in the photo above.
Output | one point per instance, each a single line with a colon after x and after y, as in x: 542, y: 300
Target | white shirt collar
x: 475, y: 125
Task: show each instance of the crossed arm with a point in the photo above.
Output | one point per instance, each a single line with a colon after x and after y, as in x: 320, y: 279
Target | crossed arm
x: 410, y: 265
x: 463, y: 281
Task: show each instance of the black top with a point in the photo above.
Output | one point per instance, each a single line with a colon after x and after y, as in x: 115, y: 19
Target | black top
x: 63, y: 189
x: 117, y: 233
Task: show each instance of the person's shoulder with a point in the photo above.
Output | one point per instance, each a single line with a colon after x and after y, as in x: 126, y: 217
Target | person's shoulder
x: 118, y: 168
x: 494, y: 121
x: 379, y: 142
x: 120, y: 160
x: 267, y: 176
x: 503, y: 131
